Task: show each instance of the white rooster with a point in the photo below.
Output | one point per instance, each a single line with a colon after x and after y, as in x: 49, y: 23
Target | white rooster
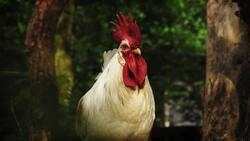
x: 120, y: 105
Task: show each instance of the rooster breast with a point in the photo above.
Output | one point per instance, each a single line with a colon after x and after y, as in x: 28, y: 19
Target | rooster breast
x: 111, y: 111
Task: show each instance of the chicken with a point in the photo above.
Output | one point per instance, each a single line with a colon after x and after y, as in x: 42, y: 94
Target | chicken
x: 120, y: 106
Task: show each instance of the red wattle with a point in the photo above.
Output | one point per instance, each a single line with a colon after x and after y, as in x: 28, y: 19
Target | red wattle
x: 128, y: 79
x: 134, y: 71
x: 141, y: 66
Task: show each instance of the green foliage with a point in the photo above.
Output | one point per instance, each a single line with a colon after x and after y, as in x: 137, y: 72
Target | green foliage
x: 14, y: 18
x: 65, y: 77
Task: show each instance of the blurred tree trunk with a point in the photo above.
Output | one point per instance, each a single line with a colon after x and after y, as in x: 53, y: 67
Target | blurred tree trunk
x: 41, y: 62
x: 226, y: 99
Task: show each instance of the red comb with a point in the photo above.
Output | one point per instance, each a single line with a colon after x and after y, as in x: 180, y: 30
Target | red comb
x: 126, y: 28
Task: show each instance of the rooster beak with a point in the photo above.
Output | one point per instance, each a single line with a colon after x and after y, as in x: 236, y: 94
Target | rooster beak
x: 137, y: 51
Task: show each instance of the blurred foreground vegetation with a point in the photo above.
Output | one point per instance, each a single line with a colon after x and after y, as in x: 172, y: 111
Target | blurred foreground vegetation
x: 173, y: 34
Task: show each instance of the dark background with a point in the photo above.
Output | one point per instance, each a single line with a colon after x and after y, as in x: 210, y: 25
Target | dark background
x: 173, y: 35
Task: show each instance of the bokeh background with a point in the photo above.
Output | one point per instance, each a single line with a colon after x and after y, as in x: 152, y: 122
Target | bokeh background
x: 173, y: 36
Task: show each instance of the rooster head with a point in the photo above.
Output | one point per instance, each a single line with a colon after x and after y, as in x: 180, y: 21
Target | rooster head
x: 127, y: 34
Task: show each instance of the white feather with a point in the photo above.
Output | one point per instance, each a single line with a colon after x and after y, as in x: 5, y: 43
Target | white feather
x: 112, y: 111
x: 107, y: 56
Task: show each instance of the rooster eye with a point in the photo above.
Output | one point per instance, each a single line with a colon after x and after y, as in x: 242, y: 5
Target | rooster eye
x: 124, y: 47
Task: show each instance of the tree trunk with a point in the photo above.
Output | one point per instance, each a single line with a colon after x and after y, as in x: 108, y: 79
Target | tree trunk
x: 226, y: 98
x: 41, y: 62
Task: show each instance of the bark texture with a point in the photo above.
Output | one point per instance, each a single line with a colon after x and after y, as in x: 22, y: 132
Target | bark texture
x: 41, y: 62
x: 226, y: 98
